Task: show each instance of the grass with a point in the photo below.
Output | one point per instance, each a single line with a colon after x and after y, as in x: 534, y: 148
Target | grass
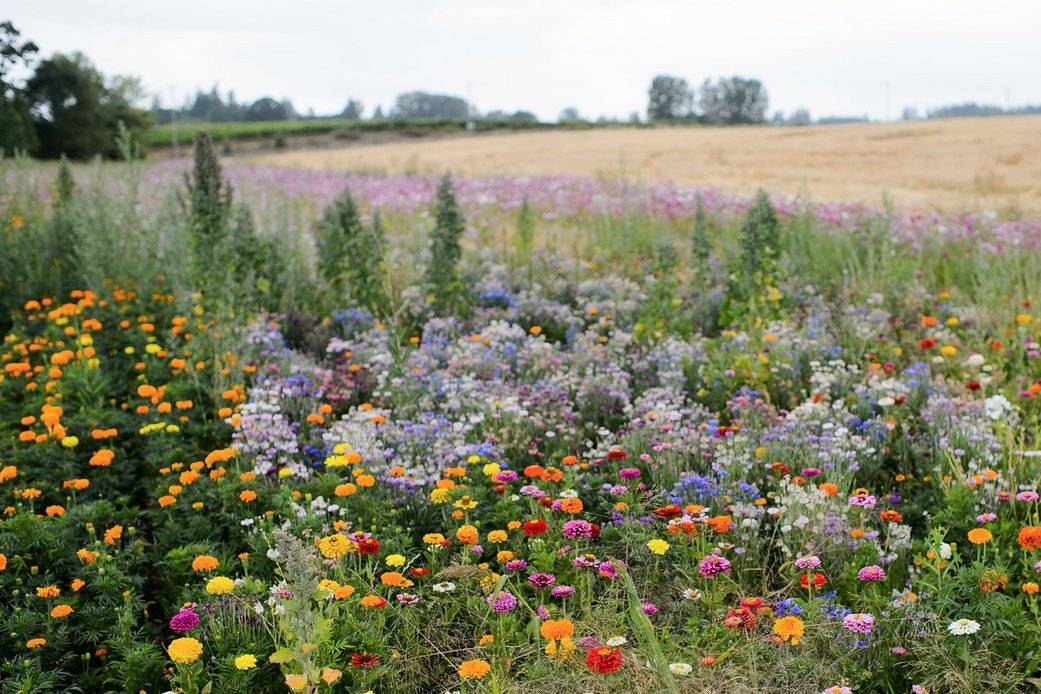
x: 163, y: 135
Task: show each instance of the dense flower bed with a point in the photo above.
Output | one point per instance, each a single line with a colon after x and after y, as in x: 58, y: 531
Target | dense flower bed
x: 840, y: 497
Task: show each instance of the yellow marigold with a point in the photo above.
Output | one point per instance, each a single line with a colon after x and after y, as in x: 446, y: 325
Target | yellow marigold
x: 205, y: 562
x: 334, y: 546
x: 346, y: 489
x: 497, y: 537
x: 474, y: 669
x: 980, y: 536
x: 35, y: 643
x: 790, y: 628
x: 343, y: 592
x: 433, y: 539
x: 184, y: 650
x: 220, y: 585
x: 365, y: 480
x: 1031, y: 588
x: 247, y: 661
x: 395, y: 560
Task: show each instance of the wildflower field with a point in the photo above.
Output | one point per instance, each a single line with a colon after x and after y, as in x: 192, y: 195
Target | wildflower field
x: 266, y: 430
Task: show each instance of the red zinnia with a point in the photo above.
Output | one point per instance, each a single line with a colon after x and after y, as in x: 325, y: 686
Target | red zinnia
x: 418, y: 571
x: 369, y: 546
x: 819, y: 580
x: 364, y: 660
x: 604, y: 660
x: 534, y: 527
x: 617, y: 453
x: 670, y: 511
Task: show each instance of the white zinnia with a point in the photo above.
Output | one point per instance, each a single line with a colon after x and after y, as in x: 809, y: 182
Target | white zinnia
x: 680, y: 668
x: 962, y: 627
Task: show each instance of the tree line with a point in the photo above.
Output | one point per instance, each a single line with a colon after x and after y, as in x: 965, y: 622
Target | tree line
x: 725, y: 101
x: 65, y: 106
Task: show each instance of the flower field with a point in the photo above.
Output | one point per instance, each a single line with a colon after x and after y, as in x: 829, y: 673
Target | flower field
x: 505, y: 435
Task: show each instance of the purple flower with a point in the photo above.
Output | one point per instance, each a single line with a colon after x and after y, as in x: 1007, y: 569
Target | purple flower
x: 1027, y: 495
x: 516, y: 565
x: 503, y: 602
x: 649, y: 609
x: 713, y: 565
x: 562, y: 591
x: 541, y: 579
x: 185, y: 620
x: 629, y: 473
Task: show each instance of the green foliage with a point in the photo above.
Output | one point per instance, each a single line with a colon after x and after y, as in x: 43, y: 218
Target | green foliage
x: 524, y: 241
x: 209, y: 206
x: 442, y: 274
x: 700, y: 245
x: 350, y: 256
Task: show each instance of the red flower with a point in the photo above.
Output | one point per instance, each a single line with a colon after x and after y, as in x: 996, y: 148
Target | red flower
x: 927, y: 343
x: 819, y: 580
x: 369, y: 545
x: 617, y: 453
x: 780, y: 468
x: 418, y: 571
x: 670, y: 511
x: 534, y: 527
x: 604, y: 660
x: 891, y: 515
x: 364, y: 660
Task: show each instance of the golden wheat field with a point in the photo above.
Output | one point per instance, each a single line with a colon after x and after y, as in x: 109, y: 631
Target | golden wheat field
x: 952, y: 165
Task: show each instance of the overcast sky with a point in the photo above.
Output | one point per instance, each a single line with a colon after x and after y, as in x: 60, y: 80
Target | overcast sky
x: 831, y: 56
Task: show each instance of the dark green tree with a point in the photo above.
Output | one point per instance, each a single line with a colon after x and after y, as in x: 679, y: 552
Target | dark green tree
x: 17, y: 132
x: 669, y: 98
x: 442, y: 273
x: 525, y: 240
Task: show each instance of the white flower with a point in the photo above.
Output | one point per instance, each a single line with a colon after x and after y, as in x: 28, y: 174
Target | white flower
x: 445, y: 587
x: 886, y: 401
x: 975, y: 360
x: 692, y: 594
x: 680, y: 668
x: 962, y: 627
x: 616, y: 641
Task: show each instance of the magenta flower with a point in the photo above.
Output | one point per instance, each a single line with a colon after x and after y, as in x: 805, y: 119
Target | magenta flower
x: 185, y: 620
x: 541, y: 579
x: 713, y: 565
x: 503, y: 602
x: 872, y: 573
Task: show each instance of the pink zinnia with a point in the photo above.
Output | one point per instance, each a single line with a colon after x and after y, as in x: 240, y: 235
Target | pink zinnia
x: 872, y: 573
x: 860, y: 622
x: 713, y: 565
x: 185, y: 620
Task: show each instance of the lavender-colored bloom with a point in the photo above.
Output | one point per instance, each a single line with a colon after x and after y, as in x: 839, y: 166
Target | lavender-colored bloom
x: 503, y: 602
x: 562, y: 591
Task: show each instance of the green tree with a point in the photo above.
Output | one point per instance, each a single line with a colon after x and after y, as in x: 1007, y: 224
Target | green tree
x: 669, y: 98
x: 733, y: 100
x: 445, y: 249
x: 525, y: 239
x: 76, y: 114
x: 759, y: 236
x: 16, y: 124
